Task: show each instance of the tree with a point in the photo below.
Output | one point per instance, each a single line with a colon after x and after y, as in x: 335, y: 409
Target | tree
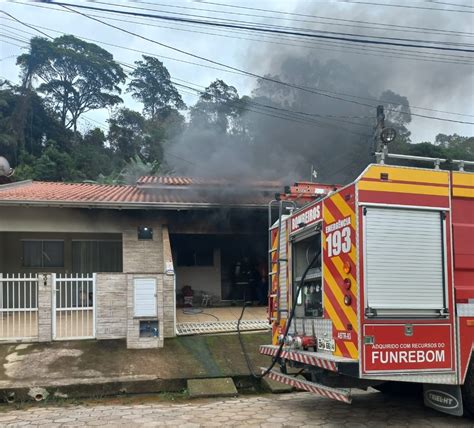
x: 26, y: 124
x: 92, y: 158
x: 151, y: 85
x: 126, y: 133
x: 217, y: 107
x: 54, y: 165
x: 136, y: 168
x: 77, y: 76
x: 397, y: 114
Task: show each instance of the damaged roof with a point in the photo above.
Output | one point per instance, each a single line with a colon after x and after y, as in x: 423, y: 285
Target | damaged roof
x: 163, y: 192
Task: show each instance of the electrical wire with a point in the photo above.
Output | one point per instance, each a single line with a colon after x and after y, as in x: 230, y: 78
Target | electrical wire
x: 372, y: 25
x: 388, y: 41
x: 305, y: 87
x: 263, y: 25
x: 255, y: 75
x: 403, y: 6
x: 286, y: 114
x: 26, y: 25
x: 403, y: 27
x: 353, y: 48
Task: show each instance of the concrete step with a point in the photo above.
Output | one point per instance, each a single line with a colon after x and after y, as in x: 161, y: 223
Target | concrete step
x: 214, y: 387
x: 275, y: 387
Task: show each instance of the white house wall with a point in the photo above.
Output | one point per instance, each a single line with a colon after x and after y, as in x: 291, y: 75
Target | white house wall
x: 202, y: 279
x: 32, y: 219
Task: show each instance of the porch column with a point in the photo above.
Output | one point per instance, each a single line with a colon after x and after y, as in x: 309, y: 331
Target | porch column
x: 143, y: 260
x: 169, y: 287
x: 45, y: 302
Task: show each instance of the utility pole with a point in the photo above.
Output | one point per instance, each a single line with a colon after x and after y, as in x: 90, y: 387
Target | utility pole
x: 380, y: 125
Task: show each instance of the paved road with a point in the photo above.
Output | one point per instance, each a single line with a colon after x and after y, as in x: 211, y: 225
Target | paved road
x: 272, y: 411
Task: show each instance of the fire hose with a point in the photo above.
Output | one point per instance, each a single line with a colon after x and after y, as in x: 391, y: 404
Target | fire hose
x: 287, y: 329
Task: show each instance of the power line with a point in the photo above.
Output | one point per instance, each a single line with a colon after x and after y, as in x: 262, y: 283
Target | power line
x: 348, y: 38
x: 380, y: 52
x: 10, y: 43
x: 257, y: 76
x: 308, y: 89
x: 322, y: 17
x: 287, y: 113
x: 371, y: 25
x: 352, y: 47
x: 403, y: 6
x: 449, y: 4
x: 261, y: 26
x: 26, y: 25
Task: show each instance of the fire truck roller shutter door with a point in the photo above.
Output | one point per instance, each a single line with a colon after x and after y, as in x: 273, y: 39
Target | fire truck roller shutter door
x: 404, y: 260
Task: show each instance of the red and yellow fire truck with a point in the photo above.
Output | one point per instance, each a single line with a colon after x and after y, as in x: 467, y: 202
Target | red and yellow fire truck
x: 373, y: 283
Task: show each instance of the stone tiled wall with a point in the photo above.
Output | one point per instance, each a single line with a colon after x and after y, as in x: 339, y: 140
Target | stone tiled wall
x: 144, y: 256
x: 114, y: 291
x: 133, y: 339
x: 169, y: 292
x: 45, y: 302
x: 111, y: 305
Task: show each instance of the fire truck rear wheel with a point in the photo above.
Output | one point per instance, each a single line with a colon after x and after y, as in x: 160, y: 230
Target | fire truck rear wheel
x: 468, y: 390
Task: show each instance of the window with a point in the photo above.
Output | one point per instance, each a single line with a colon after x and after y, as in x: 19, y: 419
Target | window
x: 196, y: 257
x: 43, y: 254
x: 96, y: 256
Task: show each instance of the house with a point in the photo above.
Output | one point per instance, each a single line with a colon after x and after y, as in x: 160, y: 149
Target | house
x: 113, y: 261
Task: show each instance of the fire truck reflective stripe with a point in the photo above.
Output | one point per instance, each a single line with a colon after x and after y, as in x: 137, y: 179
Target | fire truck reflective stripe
x: 332, y: 393
x: 338, y: 294
x: 387, y: 186
x: 463, y: 179
x: 408, y: 174
x: 300, y: 357
x: 336, y: 265
x: 463, y: 185
x: 352, y: 349
x: 339, y: 209
x: 340, y: 325
x: 338, y: 212
x: 332, y: 313
x: 463, y: 192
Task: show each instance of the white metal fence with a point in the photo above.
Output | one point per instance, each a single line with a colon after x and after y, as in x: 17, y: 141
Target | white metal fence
x: 18, y: 306
x: 73, y: 306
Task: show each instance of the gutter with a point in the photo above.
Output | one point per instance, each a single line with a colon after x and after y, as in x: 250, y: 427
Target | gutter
x: 127, y: 205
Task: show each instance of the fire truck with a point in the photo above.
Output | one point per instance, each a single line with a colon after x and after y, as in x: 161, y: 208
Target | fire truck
x: 372, y: 284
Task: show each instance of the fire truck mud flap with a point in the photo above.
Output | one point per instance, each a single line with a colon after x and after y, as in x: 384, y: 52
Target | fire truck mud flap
x: 444, y: 398
x: 343, y: 395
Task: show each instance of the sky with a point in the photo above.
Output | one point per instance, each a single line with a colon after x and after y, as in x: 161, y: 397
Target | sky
x: 439, y: 85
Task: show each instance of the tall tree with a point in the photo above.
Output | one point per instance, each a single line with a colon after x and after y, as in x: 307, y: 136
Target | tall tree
x: 152, y: 86
x: 77, y: 76
x: 126, y: 133
x: 217, y: 107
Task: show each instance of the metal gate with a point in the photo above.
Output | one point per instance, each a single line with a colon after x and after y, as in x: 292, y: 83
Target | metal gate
x: 73, y: 306
x: 18, y: 306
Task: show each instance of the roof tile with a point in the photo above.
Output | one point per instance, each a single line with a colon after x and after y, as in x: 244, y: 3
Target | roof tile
x: 185, y: 193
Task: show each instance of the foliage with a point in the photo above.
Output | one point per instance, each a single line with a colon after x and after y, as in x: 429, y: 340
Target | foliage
x: 151, y: 85
x: 217, y: 107
x: 448, y: 147
x: 77, y: 76
x: 136, y: 168
x: 276, y: 132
